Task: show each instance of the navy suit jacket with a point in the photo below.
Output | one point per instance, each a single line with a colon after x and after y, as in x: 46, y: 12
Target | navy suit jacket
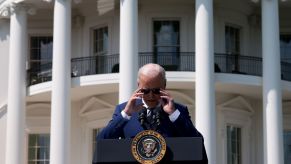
x: 119, y: 127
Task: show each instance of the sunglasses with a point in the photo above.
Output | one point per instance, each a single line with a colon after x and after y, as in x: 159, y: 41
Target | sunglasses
x: 147, y: 90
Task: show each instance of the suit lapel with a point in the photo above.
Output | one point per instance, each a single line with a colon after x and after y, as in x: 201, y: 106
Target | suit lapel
x: 133, y: 127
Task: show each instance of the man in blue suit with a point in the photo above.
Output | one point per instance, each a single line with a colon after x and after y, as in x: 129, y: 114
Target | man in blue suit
x: 171, y: 119
x: 150, y: 95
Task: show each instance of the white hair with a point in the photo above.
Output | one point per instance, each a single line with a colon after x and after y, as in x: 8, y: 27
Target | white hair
x: 152, y: 70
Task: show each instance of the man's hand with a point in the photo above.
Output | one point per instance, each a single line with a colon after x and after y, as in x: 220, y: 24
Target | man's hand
x: 167, y: 102
x: 131, y: 105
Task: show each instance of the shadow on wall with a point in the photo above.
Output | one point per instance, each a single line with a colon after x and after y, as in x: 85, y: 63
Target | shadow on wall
x: 4, y: 29
x: 3, y: 111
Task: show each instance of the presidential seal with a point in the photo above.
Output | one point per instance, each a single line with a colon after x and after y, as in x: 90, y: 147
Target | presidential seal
x: 148, y: 147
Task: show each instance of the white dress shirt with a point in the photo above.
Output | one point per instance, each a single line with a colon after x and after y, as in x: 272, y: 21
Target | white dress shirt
x: 173, y: 117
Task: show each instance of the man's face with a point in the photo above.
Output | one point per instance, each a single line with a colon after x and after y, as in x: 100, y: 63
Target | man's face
x: 152, y: 98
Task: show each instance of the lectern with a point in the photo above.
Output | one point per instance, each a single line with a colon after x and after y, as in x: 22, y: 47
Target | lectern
x: 179, y: 150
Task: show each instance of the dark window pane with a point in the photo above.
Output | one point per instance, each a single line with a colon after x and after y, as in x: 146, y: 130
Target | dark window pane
x: 41, y: 50
x: 233, y: 144
x: 166, y: 43
x: 232, y: 40
x: 287, y: 147
x: 285, y: 47
x: 41, y: 47
x: 32, y: 140
x: 100, y: 41
x: 38, y: 151
x: 31, y: 153
x: 95, y: 134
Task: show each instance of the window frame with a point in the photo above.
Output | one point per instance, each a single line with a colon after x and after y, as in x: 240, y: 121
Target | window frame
x: 97, y: 28
x: 286, y: 131
x: 240, y: 146
x: 232, y: 61
x: 88, y: 127
x: 97, y: 60
x: 36, y: 147
x: 285, y: 58
x: 40, y: 69
x: 239, y: 118
x: 94, y: 135
x: 34, y: 126
x: 174, y: 58
x: 30, y: 48
x: 236, y: 27
x: 34, y: 130
x: 179, y: 32
x: 286, y: 119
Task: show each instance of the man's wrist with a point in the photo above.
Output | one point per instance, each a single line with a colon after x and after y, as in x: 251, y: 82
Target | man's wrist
x: 125, y: 115
x: 174, y: 116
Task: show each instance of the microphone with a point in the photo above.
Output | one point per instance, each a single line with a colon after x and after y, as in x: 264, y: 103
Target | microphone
x: 157, y: 118
x: 142, y: 117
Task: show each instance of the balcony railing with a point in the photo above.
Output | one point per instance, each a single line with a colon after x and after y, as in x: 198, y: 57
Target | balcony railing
x: 182, y: 61
x: 40, y: 74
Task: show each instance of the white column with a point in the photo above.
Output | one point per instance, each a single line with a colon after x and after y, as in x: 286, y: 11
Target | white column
x: 16, y: 86
x: 61, y: 84
x: 205, y: 91
x: 272, y: 94
x: 128, y: 48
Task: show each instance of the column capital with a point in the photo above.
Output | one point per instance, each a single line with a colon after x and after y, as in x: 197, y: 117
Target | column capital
x: 12, y: 8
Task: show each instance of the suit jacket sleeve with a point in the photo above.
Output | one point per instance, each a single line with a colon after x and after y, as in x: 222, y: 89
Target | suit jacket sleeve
x: 114, y: 129
x: 183, y: 125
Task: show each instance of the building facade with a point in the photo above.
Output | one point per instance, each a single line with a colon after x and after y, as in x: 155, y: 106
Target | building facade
x: 65, y: 64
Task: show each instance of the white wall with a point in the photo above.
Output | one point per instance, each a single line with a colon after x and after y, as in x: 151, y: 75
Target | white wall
x: 77, y: 137
x: 3, y: 120
x: 226, y: 16
x: 224, y: 13
x: 94, y: 21
x: 147, y: 12
x: 259, y: 138
x: 184, y: 13
x: 4, y: 60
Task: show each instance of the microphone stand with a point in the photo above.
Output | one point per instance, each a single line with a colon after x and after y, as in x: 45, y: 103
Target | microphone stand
x: 142, y: 117
x: 155, y: 120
